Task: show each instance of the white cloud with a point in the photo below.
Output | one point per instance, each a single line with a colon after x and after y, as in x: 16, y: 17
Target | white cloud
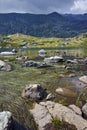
x: 80, y: 6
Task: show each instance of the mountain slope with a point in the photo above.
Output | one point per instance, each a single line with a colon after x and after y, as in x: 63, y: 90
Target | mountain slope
x: 51, y: 25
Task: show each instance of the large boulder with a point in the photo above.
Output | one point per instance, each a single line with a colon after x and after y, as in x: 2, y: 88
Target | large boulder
x: 34, y: 91
x: 5, y: 120
x: 44, y: 112
x: 5, y: 66
x: 84, y: 110
x: 83, y: 79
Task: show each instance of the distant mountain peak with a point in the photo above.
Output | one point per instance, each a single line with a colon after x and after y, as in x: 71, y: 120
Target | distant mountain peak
x: 43, y: 25
x: 54, y: 14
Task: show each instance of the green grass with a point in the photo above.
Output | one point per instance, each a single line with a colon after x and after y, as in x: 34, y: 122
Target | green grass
x: 59, y: 125
x: 12, y: 84
x: 20, y: 40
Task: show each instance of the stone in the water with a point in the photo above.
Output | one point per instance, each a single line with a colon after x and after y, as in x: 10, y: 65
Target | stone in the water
x: 83, y: 79
x: 42, y: 53
x: 5, y: 120
x: 59, y: 90
x: 34, y: 91
x: 66, y: 92
x: 77, y: 83
x: 67, y: 75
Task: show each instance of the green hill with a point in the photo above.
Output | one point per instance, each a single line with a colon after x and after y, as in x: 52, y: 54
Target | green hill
x: 20, y: 40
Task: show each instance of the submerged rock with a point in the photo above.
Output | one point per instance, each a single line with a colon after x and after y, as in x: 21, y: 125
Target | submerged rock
x: 44, y: 112
x: 71, y: 75
x: 5, y: 120
x: 34, y: 91
x: 66, y: 92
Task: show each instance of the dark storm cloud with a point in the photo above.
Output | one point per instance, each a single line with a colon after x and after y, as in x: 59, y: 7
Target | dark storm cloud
x: 43, y: 6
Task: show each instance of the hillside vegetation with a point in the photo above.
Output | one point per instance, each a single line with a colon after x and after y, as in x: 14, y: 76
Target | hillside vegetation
x: 20, y: 40
x: 44, y: 25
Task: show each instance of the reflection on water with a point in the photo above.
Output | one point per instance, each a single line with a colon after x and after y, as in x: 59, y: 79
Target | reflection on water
x: 81, y: 52
x: 42, y: 55
x: 77, y: 52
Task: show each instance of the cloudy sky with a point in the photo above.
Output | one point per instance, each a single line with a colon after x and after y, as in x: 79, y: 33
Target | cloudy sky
x: 43, y: 6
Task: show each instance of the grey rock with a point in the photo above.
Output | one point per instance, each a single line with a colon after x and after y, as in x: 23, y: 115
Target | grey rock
x: 7, y: 53
x: 54, y: 59
x: 4, y: 66
x: 30, y: 63
x: 43, y: 65
x: 41, y: 116
x: 84, y: 110
x: 45, y: 111
x: 83, y: 79
x: 76, y: 109
x: 72, y: 61
x: 5, y: 120
x: 34, y: 91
